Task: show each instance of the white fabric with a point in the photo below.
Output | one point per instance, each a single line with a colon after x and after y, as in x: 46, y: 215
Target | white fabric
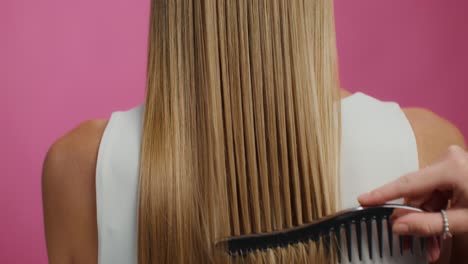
x: 378, y: 145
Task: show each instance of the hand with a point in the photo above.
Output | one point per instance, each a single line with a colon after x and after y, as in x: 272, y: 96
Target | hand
x: 430, y: 188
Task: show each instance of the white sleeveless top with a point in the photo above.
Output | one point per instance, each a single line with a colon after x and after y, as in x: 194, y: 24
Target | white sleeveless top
x: 378, y: 145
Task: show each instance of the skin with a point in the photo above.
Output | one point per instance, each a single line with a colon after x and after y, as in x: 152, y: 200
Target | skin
x: 435, y: 137
x: 68, y: 182
x: 69, y: 196
x: 431, y: 188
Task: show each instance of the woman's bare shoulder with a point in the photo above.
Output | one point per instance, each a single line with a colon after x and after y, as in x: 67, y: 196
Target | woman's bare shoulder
x: 69, y: 197
x: 434, y: 134
x: 79, y: 143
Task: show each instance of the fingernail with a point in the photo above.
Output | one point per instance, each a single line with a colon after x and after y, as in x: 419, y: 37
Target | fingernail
x: 364, y: 196
x: 429, y: 249
x: 401, y: 228
x: 429, y: 256
x: 435, y: 255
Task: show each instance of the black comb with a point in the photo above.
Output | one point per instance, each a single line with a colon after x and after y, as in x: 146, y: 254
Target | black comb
x: 328, y: 227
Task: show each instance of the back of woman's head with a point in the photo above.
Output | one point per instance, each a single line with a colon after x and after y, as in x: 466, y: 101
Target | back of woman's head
x: 241, y: 127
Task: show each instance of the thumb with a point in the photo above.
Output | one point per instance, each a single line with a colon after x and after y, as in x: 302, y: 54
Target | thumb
x: 431, y: 224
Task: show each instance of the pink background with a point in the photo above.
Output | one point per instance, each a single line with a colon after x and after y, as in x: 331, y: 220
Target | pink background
x: 62, y: 62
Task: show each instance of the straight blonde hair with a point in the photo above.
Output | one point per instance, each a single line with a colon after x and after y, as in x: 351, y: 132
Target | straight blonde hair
x: 241, y: 127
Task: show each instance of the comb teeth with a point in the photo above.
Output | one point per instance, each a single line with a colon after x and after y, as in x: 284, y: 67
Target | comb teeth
x: 380, y: 235
x: 411, y: 238
x: 358, y: 238
x: 422, y: 244
x: 348, y: 241
x: 337, y: 231
x: 376, y: 223
x: 402, y: 245
x: 390, y: 236
x: 370, y: 238
x: 331, y: 228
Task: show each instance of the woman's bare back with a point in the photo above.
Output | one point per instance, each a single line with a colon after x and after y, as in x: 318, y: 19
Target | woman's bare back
x: 69, y: 193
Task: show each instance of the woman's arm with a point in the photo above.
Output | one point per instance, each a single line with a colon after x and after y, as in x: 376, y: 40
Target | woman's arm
x: 69, y: 195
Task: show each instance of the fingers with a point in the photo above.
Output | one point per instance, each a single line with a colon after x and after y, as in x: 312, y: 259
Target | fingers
x: 411, y: 185
x: 432, y: 249
x: 431, y: 224
x: 436, y: 202
x: 448, y: 174
x: 432, y: 202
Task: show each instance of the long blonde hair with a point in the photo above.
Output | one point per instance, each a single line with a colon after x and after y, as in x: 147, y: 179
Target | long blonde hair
x: 241, y: 127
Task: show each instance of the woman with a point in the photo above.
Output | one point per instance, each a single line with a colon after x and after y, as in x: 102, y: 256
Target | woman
x: 239, y: 134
